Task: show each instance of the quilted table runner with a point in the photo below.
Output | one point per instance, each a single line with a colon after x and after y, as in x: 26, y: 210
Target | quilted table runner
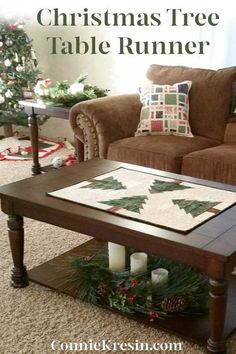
x: 162, y: 201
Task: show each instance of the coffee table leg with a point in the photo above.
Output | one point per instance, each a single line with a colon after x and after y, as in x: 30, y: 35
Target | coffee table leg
x: 19, y: 277
x: 218, y: 300
x: 33, y: 127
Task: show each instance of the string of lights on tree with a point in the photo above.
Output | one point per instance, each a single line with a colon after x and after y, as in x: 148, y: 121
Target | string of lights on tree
x: 18, y: 71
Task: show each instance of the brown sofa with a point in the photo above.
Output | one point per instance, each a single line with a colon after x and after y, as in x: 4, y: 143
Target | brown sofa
x: 105, y: 127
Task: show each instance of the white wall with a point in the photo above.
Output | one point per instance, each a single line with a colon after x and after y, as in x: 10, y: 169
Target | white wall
x: 123, y: 73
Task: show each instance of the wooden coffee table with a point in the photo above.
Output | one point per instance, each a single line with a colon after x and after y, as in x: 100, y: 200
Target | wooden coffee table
x: 210, y: 247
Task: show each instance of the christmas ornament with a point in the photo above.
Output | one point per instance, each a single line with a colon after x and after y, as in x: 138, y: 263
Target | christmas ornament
x: 7, y: 62
x: 20, y: 22
x: 8, y: 42
x: 27, y: 38
x: 13, y: 81
x: 174, y: 303
x: 4, y: 76
x: 42, y: 87
x: 16, y: 59
x: 33, y: 56
x: 19, y: 68
x: 8, y: 94
x: 27, y: 93
x: 57, y: 162
x: 76, y: 88
x: 24, y: 153
x: 2, y: 99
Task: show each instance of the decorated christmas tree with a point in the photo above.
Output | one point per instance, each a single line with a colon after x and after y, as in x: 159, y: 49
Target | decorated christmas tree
x: 18, y: 72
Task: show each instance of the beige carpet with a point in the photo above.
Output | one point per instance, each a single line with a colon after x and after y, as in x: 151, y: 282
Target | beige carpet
x: 33, y: 317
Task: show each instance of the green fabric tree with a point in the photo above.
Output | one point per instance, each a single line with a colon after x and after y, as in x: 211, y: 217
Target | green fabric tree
x: 18, y: 71
x: 194, y: 207
x: 106, y: 183
x: 134, y: 203
x: 162, y: 186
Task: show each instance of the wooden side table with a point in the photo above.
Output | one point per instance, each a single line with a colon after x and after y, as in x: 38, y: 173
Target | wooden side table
x: 32, y: 109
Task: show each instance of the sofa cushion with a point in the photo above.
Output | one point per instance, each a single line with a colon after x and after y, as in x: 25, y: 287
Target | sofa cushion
x: 164, y: 152
x: 165, y: 109
x: 217, y: 163
x: 210, y: 97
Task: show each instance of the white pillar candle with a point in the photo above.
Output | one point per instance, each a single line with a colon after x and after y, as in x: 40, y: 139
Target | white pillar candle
x: 159, y: 276
x: 138, y: 262
x: 116, y: 257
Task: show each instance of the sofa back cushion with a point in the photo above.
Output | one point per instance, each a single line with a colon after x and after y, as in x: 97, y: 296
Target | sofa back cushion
x: 210, y: 98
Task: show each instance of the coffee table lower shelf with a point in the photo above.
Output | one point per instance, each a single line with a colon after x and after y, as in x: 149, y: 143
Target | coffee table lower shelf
x: 53, y: 273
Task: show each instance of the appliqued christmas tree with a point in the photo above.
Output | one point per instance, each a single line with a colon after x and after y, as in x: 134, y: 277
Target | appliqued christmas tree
x: 18, y: 72
x: 106, y: 183
x: 196, y: 207
x: 163, y: 186
x: 134, y: 203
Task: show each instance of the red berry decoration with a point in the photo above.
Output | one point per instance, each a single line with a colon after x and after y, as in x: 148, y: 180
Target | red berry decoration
x: 132, y: 298
x: 153, y: 315
x: 134, y: 282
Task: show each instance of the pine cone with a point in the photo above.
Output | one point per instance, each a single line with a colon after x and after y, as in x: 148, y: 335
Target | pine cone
x: 103, y: 289
x: 176, y: 303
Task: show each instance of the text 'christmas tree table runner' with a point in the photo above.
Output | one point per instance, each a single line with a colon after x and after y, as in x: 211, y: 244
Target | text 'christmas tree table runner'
x: 150, y: 198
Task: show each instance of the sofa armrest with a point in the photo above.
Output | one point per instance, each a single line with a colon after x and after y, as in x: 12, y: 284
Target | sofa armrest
x: 230, y: 133
x: 98, y: 122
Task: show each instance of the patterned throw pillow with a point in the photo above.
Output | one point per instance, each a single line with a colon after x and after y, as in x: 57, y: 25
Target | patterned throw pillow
x: 165, y: 110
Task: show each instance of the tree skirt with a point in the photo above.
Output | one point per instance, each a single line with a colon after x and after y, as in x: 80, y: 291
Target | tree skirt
x: 17, y: 149
x: 150, y: 198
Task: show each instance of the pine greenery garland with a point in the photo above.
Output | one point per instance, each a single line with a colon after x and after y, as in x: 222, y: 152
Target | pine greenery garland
x: 186, y: 291
x: 59, y: 94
